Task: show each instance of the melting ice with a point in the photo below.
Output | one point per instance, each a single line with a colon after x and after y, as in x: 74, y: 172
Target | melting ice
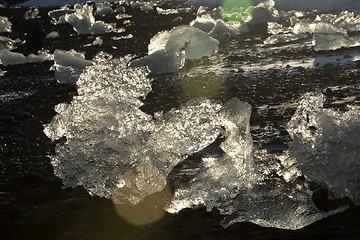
x: 115, y: 150
x: 326, y: 145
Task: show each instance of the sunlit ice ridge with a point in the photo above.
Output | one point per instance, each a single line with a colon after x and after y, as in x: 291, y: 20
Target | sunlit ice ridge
x: 201, y: 152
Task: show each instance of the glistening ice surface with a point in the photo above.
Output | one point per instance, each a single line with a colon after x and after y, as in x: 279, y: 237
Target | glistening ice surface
x: 115, y: 150
x: 326, y: 143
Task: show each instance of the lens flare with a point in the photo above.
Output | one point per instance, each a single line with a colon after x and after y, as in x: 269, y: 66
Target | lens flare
x: 201, y: 85
x: 237, y: 10
x: 141, y: 195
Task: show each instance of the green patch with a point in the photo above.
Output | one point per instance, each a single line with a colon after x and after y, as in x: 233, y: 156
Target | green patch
x: 201, y: 85
x: 237, y: 10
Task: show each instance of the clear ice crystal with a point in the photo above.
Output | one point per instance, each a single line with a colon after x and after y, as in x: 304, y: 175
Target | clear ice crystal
x: 329, y: 37
x: 69, y: 65
x: 326, y: 144
x: 162, y: 61
x: 83, y: 21
x: 115, y: 150
x: 193, y: 41
x: 106, y: 132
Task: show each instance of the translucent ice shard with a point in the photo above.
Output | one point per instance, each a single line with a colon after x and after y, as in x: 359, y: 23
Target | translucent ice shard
x: 195, y: 42
x: 162, y: 61
x: 52, y: 34
x: 329, y: 37
x: 221, y: 177
x: 9, y: 58
x: 69, y: 65
x: 277, y: 204
x: 107, y: 134
x: 115, y: 150
x: 304, y: 27
x: 56, y: 14
x: 348, y: 21
x: 143, y: 6
x: 284, y: 38
x: 8, y: 43
x: 211, y: 21
x: 5, y: 24
x: 264, y: 12
x: 233, y: 183
x: 101, y: 124
x: 103, y: 8
x: 168, y: 50
x: 204, y: 23
x: 83, y: 21
x: 158, y: 42
x: 31, y: 13
x: 326, y: 144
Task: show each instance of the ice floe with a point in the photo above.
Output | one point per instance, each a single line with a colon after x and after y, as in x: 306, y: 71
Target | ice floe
x: 69, y: 65
x: 115, y: 150
x: 326, y: 145
x: 162, y: 61
x: 169, y: 49
x: 5, y: 24
x: 31, y: 13
x: 103, y: 8
x: 83, y: 21
x: 10, y: 58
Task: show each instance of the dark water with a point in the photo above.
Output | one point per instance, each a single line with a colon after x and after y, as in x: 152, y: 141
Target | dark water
x: 35, y: 206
